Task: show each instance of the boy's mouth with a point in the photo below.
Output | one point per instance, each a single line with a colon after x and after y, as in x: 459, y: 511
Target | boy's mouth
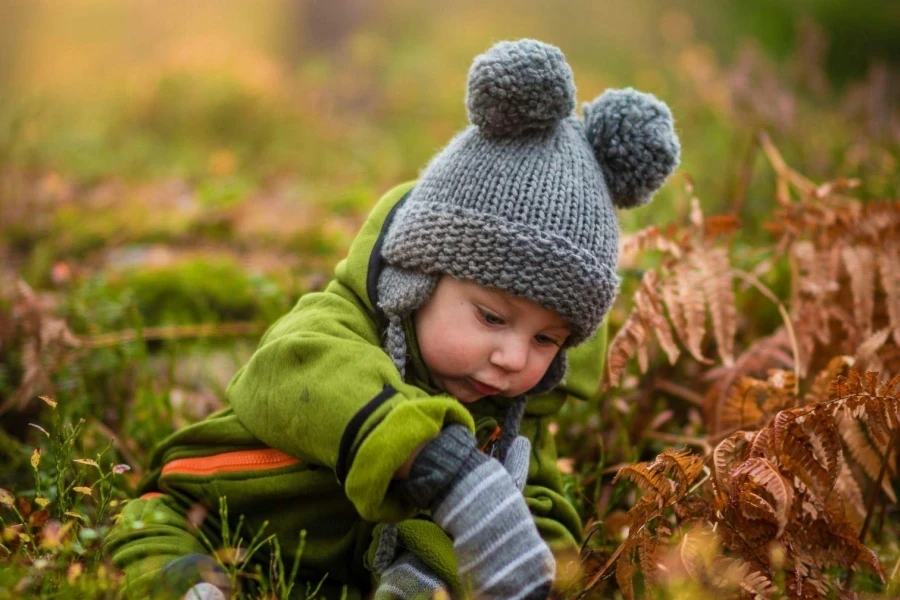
x: 483, y: 388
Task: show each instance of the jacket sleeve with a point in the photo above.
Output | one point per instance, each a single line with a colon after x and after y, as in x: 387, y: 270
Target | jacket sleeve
x: 320, y: 388
x: 556, y: 517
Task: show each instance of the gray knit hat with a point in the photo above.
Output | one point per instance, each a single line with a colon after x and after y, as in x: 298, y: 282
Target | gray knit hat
x: 522, y: 199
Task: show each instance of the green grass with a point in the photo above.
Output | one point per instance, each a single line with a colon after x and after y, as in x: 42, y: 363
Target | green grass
x: 200, y: 196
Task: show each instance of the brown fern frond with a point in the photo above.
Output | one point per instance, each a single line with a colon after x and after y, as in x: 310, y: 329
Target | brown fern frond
x: 626, y: 568
x: 860, y: 264
x: 862, y: 451
x: 890, y: 388
x: 867, y: 352
x: 648, y: 477
x: 758, y: 584
x: 650, y: 550
x: 851, y: 494
x: 681, y: 465
x: 630, y: 339
x: 727, y: 453
x: 761, y: 492
x: 817, y: 270
x: 743, y: 405
x: 683, y: 295
x: 763, y: 444
x: 650, y: 306
x: 818, y: 391
x: 781, y: 386
x: 889, y: 269
x: 754, y: 507
x: 717, y: 225
x: 696, y: 551
x: 812, y: 451
x: 717, y: 282
x: 836, y: 546
x: 773, y: 351
x: 650, y: 238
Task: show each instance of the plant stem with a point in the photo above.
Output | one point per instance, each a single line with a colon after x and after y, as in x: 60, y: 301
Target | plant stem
x: 681, y: 391
x: 759, y: 285
x: 873, y: 495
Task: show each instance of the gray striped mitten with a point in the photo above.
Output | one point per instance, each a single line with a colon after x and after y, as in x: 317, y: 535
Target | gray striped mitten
x: 408, y: 578
x: 496, y: 542
x: 518, y: 457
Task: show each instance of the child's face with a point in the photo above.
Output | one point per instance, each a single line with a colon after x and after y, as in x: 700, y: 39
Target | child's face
x: 478, y: 341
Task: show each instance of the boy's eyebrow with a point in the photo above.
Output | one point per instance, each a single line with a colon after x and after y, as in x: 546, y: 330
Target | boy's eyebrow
x: 561, y: 330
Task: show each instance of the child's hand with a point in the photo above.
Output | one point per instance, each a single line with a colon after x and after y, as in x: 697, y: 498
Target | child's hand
x: 495, y: 539
x: 410, y: 579
x: 518, y: 457
x: 205, y: 591
x: 477, y: 502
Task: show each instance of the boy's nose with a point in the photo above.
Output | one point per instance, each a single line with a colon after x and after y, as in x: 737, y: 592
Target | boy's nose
x: 510, y: 356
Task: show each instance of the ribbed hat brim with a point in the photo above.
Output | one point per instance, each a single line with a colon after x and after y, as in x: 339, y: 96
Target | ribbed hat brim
x: 495, y: 252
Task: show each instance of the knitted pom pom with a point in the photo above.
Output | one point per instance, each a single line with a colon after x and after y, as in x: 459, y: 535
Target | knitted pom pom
x: 634, y: 140
x: 517, y: 87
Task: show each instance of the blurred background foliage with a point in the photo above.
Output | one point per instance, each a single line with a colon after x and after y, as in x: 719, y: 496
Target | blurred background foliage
x: 168, y: 164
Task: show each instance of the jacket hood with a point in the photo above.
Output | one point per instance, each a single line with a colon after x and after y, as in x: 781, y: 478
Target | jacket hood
x: 360, y: 269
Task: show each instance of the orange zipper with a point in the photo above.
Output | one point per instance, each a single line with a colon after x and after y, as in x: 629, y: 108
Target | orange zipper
x: 227, y: 462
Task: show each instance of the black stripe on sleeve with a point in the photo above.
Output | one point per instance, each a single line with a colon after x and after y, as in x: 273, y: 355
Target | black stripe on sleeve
x: 344, y: 459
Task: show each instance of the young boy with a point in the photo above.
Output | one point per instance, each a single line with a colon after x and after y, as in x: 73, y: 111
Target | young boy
x: 395, y: 416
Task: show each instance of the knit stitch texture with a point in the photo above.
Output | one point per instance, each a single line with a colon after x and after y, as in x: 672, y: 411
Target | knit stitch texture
x: 523, y: 199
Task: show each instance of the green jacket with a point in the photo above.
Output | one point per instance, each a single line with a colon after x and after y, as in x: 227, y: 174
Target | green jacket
x: 321, y: 392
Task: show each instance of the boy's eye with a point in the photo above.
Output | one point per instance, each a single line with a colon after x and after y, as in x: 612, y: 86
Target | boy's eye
x: 544, y: 340
x: 490, y: 318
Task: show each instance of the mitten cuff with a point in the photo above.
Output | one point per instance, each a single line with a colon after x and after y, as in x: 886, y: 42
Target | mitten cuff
x: 451, y: 455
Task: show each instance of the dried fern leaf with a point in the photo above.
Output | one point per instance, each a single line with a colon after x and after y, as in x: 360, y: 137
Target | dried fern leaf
x: 648, y: 477
x: 758, y: 583
x: 889, y: 268
x: 781, y: 388
x: 696, y: 551
x: 684, y: 298
x: 650, y: 238
x: 891, y: 388
x: 682, y: 465
x: 718, y: 289
x: 717, y: 225
x: 760, y: 474
x: 818, y: 391
x: 837, y: 546
x: 742, y: 405
x: 860, y: 264
x: 625, y: 571
x: 763, y: 444
x: 649, y: 555
x: 862, y: 451
x: 848, y: 488
x: 812, y: 451
x: 628, y: 340
x: 649, y: 304
x: 817, y: 276
x: 727, y: 453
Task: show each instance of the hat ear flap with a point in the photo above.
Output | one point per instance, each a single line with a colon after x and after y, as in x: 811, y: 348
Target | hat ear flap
x: 634, y: 140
